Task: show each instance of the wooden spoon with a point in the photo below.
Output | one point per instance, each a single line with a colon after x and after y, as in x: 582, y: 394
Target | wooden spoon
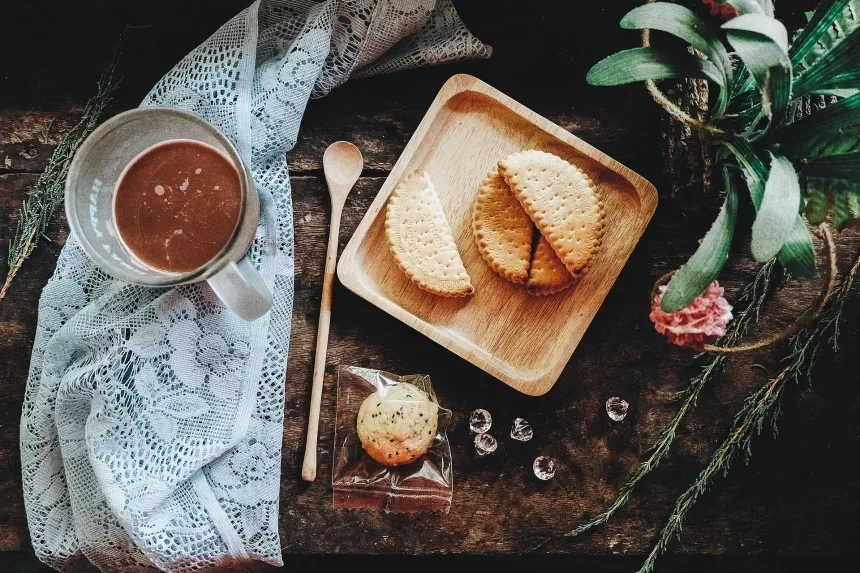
x: 342, y: 164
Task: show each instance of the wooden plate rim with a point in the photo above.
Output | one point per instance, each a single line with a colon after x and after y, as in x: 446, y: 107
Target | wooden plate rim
x: 347, y: 269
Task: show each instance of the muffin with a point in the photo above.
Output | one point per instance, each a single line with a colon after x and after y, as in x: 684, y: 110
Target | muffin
x: 396, y: 427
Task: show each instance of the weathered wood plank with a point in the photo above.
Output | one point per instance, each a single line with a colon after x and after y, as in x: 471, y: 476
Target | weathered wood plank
x: 380, y: 130
x: 795, y: 497
x: 497, y: 500
x: 499, y: 507
x: 498, y: 503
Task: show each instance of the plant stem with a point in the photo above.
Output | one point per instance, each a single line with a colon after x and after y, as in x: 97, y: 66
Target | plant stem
x: 760, y: 409
x: 752, y: 297
x: 26, y: 248
x: 38, y: 209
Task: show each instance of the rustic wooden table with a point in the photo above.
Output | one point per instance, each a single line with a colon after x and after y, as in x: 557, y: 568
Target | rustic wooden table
x: 796, y: 496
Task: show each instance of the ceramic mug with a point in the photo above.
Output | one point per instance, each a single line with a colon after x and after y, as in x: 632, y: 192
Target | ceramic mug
x: 92, y: 182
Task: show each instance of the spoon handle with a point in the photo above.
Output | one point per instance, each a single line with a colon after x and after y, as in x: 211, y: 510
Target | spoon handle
x: 309, y: 466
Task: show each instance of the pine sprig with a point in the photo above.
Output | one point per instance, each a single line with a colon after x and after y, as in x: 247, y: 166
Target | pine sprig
x: 761, y: 410
x: 38, y: 209
x: 751, y: 299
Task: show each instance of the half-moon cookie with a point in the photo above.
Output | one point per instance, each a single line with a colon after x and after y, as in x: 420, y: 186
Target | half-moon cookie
x: 502, y: 229
x: 547, y: 274
x: 561, y: 201
x: 396, y: 427
x: 421, y: 239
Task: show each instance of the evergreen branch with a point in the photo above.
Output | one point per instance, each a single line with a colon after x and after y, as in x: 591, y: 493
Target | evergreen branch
x: 38, y: 209
x: 45, y: 136
x: 752, y: 298
x: 760, y: 410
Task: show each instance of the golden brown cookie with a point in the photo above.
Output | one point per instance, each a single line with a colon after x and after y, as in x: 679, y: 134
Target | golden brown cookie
x: 421, y: 239
x: 547, y: 274
x: 397, y: 425
x: 561, y: 201
x: 502, y: 229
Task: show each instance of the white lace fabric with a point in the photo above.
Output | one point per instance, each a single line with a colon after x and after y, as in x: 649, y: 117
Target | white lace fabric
x: 152, y: 425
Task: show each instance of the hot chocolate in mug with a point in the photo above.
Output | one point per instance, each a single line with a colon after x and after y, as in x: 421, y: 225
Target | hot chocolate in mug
x: 160, y: 197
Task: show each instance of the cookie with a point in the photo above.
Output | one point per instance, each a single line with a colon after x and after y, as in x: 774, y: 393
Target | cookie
x: 502, y: 229
x: 547, y: 274
x: 397, y: 425
x: 561, y: 201
x: 421, y: 239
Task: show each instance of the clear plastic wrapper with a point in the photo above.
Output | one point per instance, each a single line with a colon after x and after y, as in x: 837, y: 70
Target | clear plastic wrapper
x: 360, y: 482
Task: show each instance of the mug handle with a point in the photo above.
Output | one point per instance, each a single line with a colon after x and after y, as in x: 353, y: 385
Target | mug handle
x: 242, y: 289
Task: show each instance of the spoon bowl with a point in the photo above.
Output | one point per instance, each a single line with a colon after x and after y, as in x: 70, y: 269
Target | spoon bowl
x: 342, y: 164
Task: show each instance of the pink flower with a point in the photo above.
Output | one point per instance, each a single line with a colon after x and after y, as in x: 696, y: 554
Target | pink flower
x: 721, y: 9
x: 700, y: 322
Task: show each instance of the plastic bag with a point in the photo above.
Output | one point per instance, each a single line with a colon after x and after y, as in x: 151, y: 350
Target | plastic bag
x: 359, y: 482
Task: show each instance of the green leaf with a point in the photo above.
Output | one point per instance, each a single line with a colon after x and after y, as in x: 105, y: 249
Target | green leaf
x: 839, y: 142
x: 685, y: 24
x: 640, y: 64
x: 747, y: 6
x: 762, y: 43
x: 742, y: 122
x: 829, y: 25
x: 797, y: 254
x: 759, y: 24
x: 832, y: 130
x: 836, y: 116
x: 846, y: 207
x: 841, y: 166
x: 778, y: 210
x: 817, y: 204
x: 742, y: 83
x: 841, y: 82
x: 838, y: 92
x: 743, y: 80
x: 836, y: 68
x: 753, y: 169
x: 844, y: 195
x: 705, y: 265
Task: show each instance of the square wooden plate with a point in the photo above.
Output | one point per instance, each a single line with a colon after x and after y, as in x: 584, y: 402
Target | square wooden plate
x: 524, y: 341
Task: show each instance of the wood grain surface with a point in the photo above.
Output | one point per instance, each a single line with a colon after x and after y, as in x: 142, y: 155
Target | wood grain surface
x: 797, y: 495
x: 468, y: 129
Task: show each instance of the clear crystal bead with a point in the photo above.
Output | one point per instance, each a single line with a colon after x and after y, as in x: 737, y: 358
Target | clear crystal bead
x: 480, y: 421
x: 617, y: 408
x: 521, y: 430
x: 485, y: 444
x: 544, y: 467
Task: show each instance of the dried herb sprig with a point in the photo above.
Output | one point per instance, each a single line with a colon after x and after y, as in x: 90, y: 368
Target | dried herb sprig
x: 761, y: 410
x: 751, y: 299
x: 39, y: 207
